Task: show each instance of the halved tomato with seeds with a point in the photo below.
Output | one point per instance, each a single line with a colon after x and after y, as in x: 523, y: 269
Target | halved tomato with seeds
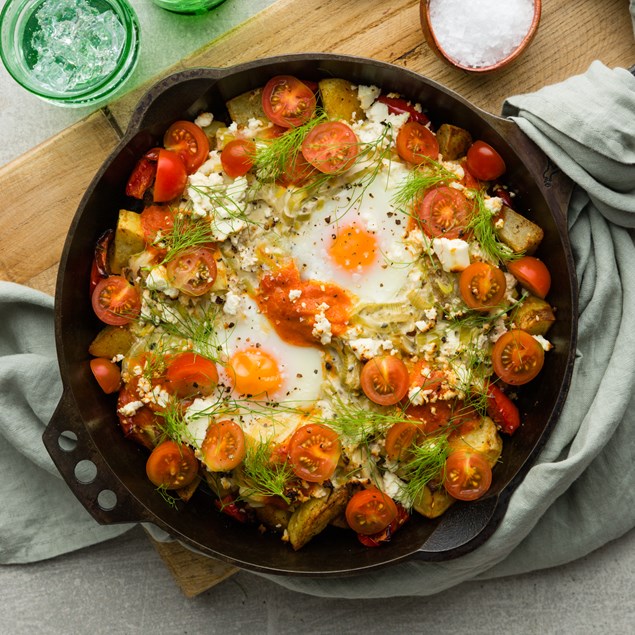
x: 314, y: 451
x: 517, y: 357
x: 385, y: 380
x: 193, y: 271
x: 482, y: 286
x: 172, y: 465
x: 467, y: 475
x: 331, y: 147
x: 190, y: 142
x: 287, y: 101
x: 370, y: 511
x: 416, y: 143
x: 444, y: 212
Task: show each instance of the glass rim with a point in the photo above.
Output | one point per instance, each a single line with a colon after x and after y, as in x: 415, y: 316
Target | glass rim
x: 102, y: 88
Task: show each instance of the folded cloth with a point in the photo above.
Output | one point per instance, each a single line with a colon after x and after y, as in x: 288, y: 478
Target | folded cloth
x: 576, y: 497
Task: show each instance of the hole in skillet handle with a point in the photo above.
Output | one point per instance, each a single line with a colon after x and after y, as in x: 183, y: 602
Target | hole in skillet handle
x: 81, y: 465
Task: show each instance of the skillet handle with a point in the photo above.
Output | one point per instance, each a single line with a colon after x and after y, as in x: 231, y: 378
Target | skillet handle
x: 462, y: 529
x: 555, y: 185
x: 85, y: 471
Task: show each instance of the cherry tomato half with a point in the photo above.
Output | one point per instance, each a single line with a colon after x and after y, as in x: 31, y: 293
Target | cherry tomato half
x: 484, y: 162
x: 432, y: 416
x: 331, y: 147
x: 190, y: 374
x: 502, y: 410
x: 467, y: 475
x: 482, y: 286
x: 517, y: 357
x: 155, y: 219
x: 172, y: 465
x: 171, y: 176
x: 193, y: 271
x: 399, y: 438
x: 370, y: 511
x: 188, y: 141
x: 444, y: 211
x: 107, y: 374
x: 287, y: 101
x: 115, y: 301
x: 223, y: 448
x: 237, y: 157
x: 532, y: 274
x: 297, y: 171
x: 416, y: 143
x: 385, y: 380
x: 314, y: 451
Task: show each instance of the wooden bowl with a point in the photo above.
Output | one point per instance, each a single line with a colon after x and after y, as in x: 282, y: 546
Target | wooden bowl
x: 433, y: 43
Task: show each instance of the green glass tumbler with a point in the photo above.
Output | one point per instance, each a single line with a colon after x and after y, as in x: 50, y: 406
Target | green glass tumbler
x: 69, y: 52
x: 188, y: 6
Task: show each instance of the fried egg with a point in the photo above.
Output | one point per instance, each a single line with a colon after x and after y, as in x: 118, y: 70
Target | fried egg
x: 355, y: 238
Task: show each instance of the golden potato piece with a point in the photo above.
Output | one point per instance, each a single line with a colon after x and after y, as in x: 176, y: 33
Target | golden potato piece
x: 432, y: 504
x: 128, y: 240
x: 534, y: 315
x: 483, y: 438
x: 273, y: 517
x: 340, y: 100
x: 517, y: 232
x: 111, y: 341
x: 312, y: 517
x: 453, y: 141
x: 246, y: 106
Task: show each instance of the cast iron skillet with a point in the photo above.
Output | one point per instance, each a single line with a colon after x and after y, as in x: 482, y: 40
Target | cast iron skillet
x: 120, y: 492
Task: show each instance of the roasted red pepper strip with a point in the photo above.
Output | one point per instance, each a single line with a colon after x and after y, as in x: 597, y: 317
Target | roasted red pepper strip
x: 398, y: 106
x: 381, y: 537
x: 143, y: 174
x: 228, y: 506
x: 502, y: 410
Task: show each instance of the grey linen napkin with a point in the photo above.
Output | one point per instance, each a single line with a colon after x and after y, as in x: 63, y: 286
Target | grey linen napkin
x: 578, y: 495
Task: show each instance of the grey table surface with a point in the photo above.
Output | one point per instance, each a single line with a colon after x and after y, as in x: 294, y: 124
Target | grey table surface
x: 123, y: 586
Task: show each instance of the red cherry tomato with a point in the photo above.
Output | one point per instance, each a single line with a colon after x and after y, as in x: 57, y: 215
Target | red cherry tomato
x: 287, y: 101
x: 190, y: 374
x: 193, y: 271
x: 171, y: 177
x: 517, y: 357
x: 370, y: 511
x: 502, y: 410
x: 532, y: 274
x: 385, y: 380
x: 188, y: 141
x: 444, y: 212
x: 416, y: 143
x: 484, y: 162
x: 381, y: 537
x: 399, y: 106
x: 331, y: 146
x: 297, y: 171
x: 467, y: 475
x: 237, y: 157
x: 399, y: 438
x: 107, y: 374
x: 223, y: 448
x: 172, y: 465
x: 115, y: 301
x: 155, y: 219
x: 432, y: 416
x: 314, y: 451
x: 482, y: 286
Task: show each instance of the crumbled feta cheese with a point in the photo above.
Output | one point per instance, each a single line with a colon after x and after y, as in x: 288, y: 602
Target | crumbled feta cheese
x: 454, y: 253
x: 493, y: 204
x: 546, y: 344
x: 367, y: 95
x: 204, y: 119
x: 499, y: 328
x: 129, y: 409
x: 452, y: 343
x: 366, y: 348
x: 322, y: 326
x: 233, y: 303
x: 117, y: 358
x: 394, y: 487
x: 157, y: 280
x: 294, y: 294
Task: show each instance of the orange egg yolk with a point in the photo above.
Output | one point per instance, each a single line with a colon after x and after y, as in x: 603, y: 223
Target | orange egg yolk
x: 254, y: 372
x: 354, y: 248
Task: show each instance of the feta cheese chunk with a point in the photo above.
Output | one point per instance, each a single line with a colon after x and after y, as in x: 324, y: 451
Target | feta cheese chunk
x: 453, y: 253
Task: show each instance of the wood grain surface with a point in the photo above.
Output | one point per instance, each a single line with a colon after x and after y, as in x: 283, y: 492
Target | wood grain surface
x: 42, y: 189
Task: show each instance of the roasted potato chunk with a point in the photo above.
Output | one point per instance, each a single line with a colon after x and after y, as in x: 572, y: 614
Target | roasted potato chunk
x: 111, y: 341
x: 453, y: 141
x: 534, y: 315
x: 277, y: 519
x: 517, y: 232
x: 246, y: 106
x: 128, y: 240
x: 483, y: 438
x: 312, y: 517
x: 340, y: 100
x: 432, y: 504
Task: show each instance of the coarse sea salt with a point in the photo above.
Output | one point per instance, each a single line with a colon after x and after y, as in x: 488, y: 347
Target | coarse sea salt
x: 480, y: 33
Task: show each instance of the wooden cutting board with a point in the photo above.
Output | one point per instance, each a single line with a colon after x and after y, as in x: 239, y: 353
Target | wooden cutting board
x: 42, y: 189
